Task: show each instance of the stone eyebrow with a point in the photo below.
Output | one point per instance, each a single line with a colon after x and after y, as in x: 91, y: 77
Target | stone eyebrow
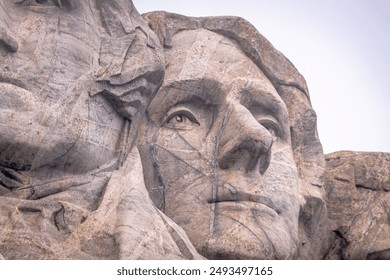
x: 208, y: 90
x: 256, y: 95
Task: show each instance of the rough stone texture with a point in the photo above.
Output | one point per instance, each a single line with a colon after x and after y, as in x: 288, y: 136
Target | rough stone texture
x: 230, y: 144
x: 75, y: 79
x: 358, y: 199
x: 168, y: 137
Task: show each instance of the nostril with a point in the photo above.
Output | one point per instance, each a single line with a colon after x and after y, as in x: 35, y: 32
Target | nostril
x: 235, y: 159
x: 248, y: 155
x: 8, y: 41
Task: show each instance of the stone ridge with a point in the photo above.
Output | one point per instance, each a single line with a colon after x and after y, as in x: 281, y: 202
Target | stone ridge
x: 358, y: 198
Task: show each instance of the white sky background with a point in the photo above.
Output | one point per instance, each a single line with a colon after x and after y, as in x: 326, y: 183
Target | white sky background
x: 341, y: 47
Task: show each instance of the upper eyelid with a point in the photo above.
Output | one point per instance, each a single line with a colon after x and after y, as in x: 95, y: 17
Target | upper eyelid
x: 261, y: 112
x: 179, y: 109
x: 270, y: 121
x: 187, y: 114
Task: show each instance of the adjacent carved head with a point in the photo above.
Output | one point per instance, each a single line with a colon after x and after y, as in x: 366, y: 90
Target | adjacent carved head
x: 73, y: 75
x: 218, y: 145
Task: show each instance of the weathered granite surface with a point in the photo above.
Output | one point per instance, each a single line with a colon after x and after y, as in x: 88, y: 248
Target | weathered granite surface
x: 230, y: 145
x: 75, y: 79
x: 169, y: 137
x: 358, y: 199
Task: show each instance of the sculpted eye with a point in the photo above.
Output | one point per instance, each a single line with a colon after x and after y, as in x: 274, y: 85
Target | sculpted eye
x: 272, y: 127
x: 181, y: 119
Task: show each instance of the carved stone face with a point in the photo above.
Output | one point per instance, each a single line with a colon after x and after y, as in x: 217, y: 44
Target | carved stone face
x: 45, y: 113
x: 52, y: 122
x: 217, y: 152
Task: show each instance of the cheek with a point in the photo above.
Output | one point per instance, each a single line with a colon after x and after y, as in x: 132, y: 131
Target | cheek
x: 183, y: 158
x: 179, y: 152
x: 191, y: 144
x: 283, y: 183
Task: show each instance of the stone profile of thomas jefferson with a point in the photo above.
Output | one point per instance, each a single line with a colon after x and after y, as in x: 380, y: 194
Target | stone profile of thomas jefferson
x: 229, y: 146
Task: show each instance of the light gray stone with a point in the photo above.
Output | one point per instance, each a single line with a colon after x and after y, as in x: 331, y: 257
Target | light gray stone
x: 230, y: 144
x: 169, y: 137
x: 75, y: 79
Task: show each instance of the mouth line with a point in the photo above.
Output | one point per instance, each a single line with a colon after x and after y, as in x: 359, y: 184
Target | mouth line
x: 245, y: 197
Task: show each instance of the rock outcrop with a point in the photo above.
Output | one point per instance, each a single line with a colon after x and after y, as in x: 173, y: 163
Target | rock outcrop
x: 75, y: 80
x: 169, y: 137
x: 358, y: 198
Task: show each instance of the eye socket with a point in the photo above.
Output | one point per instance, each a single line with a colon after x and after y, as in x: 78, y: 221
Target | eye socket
x: 182, y: 119
x: 272, y: 127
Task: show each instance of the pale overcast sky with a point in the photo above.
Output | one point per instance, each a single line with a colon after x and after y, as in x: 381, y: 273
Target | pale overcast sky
x: 341, y: 47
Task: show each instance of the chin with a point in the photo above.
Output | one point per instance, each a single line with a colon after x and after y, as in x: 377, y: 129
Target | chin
x: 246, y: 231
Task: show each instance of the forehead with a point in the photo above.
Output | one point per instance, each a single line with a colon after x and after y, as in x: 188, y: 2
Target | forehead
x: 198, y: 54
x: 213, y: 67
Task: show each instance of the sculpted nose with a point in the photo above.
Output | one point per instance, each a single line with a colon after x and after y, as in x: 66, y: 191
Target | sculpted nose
x: 244, y: 143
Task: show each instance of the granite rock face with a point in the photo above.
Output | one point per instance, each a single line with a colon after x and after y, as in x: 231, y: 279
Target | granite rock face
x: 75, y: 79
x: 358, y: 199
x: 169, y: 137
x: 230, y: 144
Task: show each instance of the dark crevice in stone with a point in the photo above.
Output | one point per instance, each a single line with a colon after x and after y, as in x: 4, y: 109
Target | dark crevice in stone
x: 380, y: 255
